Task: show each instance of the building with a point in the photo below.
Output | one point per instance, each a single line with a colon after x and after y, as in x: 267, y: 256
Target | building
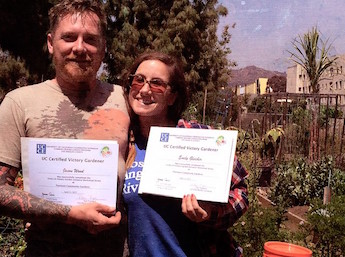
x: 332, y: 80
x: 259, y: 87
x: 297, y: 80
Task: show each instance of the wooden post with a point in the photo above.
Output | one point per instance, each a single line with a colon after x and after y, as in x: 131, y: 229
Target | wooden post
x: 204, y: 109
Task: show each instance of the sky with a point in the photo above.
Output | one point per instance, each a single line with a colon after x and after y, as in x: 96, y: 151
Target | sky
x: 265, y: 29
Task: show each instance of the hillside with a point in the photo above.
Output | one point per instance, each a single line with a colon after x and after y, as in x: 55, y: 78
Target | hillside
x: 249, y: 74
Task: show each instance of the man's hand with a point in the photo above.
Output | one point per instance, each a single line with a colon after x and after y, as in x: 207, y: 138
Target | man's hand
x: 193, y: 211
x: 94, y: 217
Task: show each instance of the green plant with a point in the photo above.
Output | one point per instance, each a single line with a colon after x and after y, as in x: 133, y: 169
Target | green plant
x: 272, y: 143
x: 256, y: 227
x: 297, y: 182
x: 326, y: 224
x: 12, y: 242
x: 327, y: 113
x: 259, y: 224
x: 257, y: 105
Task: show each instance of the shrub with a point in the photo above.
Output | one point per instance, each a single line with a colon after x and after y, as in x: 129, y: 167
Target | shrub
x: 298, y: 182
x: 326, y: 224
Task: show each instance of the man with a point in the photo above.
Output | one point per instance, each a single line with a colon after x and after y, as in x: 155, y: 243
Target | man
x: 72, y: 105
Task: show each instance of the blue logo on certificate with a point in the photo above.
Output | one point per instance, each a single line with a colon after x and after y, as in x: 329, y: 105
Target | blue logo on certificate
x: 41, y: 148
x: 164, y: 137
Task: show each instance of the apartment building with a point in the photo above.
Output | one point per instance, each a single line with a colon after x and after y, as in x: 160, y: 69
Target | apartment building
x: 259, y: 87
x: 332, y: 80
x: 331, y: 83
x: 297, y: 80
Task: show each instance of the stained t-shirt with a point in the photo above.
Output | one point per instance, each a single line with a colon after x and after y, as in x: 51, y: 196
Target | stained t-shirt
x: 45, y: 110
x: 156, y: 225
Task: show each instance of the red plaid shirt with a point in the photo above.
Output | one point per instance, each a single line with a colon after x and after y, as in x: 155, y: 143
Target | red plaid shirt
x: 214, y: 237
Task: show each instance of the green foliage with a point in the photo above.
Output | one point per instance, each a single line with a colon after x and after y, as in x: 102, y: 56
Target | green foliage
x: 259, y: 224
x: 256, y: 227
x: 12, y: 241
x: 327, y: 113
x: 192, y: 112
x: 23, y: 33
x: 13, y: 73
x: 257, y: 105
x: 301, y: 116
x: 272, y: 142
x: 243, y: 140
x: 312, y: 54
x: 297, y: 182
x: 326, y: 224
x: 187, y: 29
x: 299, y: 129
x: 277, y: 83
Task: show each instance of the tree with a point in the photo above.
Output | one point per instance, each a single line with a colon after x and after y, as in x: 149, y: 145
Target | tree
x: 187, y: 29
x: 312, y: 54
x: 13, y: 73
x: 23, y: 33
x: 277, y: 83
x: 183, y: 28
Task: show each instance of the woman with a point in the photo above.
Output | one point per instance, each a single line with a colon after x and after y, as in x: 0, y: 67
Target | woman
x: 162, y: 226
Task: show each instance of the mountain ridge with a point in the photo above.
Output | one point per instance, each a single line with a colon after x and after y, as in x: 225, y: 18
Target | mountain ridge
x: 249, y: 74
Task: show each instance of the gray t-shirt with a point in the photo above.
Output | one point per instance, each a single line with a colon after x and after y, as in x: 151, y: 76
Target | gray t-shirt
x: 45, y: 110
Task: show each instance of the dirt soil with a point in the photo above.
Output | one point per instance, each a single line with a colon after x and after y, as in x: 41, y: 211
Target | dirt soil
x: 297, y: 215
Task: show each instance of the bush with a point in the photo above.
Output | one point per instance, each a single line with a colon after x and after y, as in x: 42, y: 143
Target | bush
x: 298, y: 182
x: 326, y: 224
x: 13, y: 73
x: 256, y: 227
x: 12, y: 241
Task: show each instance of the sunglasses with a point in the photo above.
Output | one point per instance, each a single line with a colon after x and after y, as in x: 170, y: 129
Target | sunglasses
x: 137, y: 81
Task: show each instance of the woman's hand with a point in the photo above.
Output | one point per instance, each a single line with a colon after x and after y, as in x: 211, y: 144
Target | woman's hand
x: 193, y: 210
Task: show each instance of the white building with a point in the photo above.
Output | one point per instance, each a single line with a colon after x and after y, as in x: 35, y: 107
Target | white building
x: 332, y: 80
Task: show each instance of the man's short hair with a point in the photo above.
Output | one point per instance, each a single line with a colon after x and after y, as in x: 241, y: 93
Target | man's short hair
x: 66, y: 7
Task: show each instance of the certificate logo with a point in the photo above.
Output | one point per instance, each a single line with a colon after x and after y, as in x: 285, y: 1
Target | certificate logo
x: 105, y: 151
x: 164, y: 137
x: 220, y: 140
x: 41, y: 148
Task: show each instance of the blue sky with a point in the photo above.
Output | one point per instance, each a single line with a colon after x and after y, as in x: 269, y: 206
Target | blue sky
x: 265, y: 28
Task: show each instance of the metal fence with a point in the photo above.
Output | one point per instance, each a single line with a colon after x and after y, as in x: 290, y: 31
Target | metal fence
x: 295, y: 114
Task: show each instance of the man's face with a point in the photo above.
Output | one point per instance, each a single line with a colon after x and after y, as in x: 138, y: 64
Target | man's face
x: 78, y: 48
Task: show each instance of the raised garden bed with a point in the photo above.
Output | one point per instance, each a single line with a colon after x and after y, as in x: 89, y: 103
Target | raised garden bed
x: 296, y: 215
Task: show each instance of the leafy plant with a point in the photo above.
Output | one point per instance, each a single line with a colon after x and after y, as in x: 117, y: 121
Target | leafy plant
x: 12, y: 242
x: 256, y: 227
x: 259, y: 224
x: 297, y: 182
x: 326, y: 224
x: 328, y: 113
x: 272, y: 143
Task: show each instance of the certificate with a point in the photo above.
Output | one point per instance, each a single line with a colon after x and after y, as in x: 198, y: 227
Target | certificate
x: 182, y: 161
x: 70, y: 171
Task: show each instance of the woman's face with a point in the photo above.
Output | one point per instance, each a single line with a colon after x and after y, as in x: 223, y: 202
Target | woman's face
x: 150, y: 95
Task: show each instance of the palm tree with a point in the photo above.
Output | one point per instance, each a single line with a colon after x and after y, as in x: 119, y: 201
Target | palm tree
x: 312, y: 54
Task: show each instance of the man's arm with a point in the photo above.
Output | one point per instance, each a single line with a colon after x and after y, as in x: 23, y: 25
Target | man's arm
x: 19, y: 204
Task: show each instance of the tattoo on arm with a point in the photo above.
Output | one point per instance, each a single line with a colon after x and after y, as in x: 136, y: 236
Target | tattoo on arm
x: 8, y: 174
x: 19, y: 204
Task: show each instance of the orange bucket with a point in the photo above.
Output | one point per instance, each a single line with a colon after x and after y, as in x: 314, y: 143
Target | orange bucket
x: 281, y: 249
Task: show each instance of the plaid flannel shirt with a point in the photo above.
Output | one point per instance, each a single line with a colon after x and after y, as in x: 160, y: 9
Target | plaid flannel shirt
x: 214, y: 237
